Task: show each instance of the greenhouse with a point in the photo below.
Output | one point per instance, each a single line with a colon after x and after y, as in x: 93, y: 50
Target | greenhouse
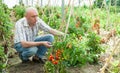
x: 60, y: 36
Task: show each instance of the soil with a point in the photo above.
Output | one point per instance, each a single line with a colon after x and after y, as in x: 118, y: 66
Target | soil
x: 27, y: 68
x: 17, y: 67
x: 85, y: 69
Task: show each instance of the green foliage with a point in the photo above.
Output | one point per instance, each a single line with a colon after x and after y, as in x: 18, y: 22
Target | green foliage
x: 49, y: 67
x: 19, y: 11
x: 94, y: 47
x: 5, y: 33
x: 115, y: 2
x: 118, y: 30
x: 58, y: 68
x: 3, y: 59
x: 115, y: 9
x: 98, y: 3
x: 77, y: 52
x: 5, y: 24
x: 118, y: 2
x: 114, y: 67
x: 82, y: 45
x: 51, y: 15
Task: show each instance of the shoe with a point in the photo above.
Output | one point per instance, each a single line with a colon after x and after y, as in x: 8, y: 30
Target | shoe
x: 42, y: 60
x: 35, y: 59
x: 20, y: 56
x: 39, y: 60
x: 24, y: 61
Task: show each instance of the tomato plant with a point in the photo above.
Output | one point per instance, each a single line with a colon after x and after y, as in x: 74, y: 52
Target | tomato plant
x: 77, y: 52
x: 55, y: 64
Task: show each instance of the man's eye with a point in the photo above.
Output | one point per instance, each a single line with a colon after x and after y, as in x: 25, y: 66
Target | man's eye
x: 33, y: 16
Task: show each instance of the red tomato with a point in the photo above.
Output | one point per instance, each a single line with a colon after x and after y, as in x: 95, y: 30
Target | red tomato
x: 51, y: 57
x: 57, y: 57
x: 55, y: 62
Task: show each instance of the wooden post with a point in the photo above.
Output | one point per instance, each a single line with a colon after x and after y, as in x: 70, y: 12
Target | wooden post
x: 48, y: 2
x: 79, y: 2
x: 20, y: 2
x: 41, y: 3
x: 37, y: 2
x: 32, y: 2
x: 69, y: 3
x: 63, y: 10
x: 108, y: 14
x: 102, y: 70
x: 71, y: 10
x: 26, y: 2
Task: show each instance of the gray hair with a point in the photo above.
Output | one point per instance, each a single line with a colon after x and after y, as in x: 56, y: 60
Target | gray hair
x: 31, y: 8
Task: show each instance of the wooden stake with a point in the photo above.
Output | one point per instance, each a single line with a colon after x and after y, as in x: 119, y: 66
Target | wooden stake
x: 71, y: 9
x: 102, y: 70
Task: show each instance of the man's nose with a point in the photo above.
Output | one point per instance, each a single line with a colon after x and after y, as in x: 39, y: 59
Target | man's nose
x: 35, y: 18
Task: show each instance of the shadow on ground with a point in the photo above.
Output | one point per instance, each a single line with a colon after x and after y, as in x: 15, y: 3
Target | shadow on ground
x: 26, y: 68
x: 17, y: 67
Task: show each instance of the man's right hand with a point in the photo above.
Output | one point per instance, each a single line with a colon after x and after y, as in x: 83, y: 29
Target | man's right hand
x: 47, y: 44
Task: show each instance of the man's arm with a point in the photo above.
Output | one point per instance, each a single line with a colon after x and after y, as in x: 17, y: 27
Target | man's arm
x: 30, y: 44
x: 56, y: 32
x: 47, y: 28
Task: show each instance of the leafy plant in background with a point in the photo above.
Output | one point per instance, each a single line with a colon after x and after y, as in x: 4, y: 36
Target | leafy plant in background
x: 94, y: 48
x: 115, y: 67
x: 19, y: 11
x: 51, y: 15
x: 98, y: 3
x: 5, y: 24
x: 5, y: 33
x: 3, y: 59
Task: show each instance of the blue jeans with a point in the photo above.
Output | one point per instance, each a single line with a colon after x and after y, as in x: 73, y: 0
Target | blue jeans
x: 39, y: 51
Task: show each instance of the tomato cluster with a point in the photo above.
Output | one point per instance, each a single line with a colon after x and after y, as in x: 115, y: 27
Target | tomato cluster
x: 77, y: 24
x: 56, y: 58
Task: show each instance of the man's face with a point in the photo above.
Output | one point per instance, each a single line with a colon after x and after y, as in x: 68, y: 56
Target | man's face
x: 31, y: 17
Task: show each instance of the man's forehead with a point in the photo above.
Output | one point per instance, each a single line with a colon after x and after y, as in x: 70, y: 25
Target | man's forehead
x: 31, y: 10
x: 32, y: 13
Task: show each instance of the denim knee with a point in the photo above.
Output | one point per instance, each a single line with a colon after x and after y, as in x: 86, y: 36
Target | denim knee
x: 48, y: 37
x: 32, y: 51
x: 28, y: 52
x: 51, y: 37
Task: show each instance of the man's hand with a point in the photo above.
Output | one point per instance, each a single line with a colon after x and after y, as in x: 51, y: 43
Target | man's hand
x: 47, y: 44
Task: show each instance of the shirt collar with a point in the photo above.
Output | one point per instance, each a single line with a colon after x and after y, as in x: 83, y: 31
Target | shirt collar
x: 25, y: 23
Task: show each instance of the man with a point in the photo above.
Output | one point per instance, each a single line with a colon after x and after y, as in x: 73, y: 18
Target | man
x: 26, y: 41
